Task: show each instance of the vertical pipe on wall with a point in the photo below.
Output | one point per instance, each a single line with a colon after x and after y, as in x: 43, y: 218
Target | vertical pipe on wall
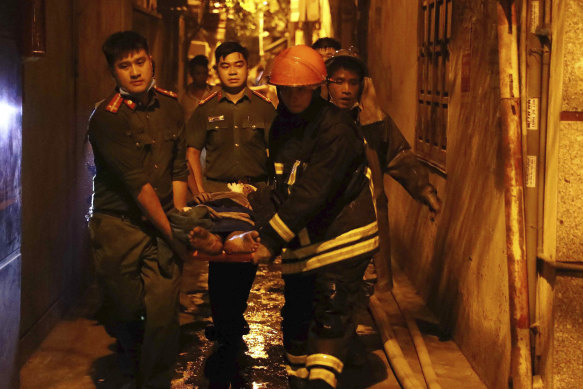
x: 544, y: 306
x: 544, y: 35
x: 533, y: 109
x: 531, y: 123
x: 521, y: 370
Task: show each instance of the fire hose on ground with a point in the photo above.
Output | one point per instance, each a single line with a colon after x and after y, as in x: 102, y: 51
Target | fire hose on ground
x: 392, y: 349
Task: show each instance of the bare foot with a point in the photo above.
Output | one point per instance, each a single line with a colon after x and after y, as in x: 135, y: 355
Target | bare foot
x: 261, y: 255
x: 248, y: 189
x: 205, y: 241
x: 242, y: 242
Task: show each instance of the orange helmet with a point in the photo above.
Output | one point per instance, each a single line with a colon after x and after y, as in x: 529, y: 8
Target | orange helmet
x: 298, y: 66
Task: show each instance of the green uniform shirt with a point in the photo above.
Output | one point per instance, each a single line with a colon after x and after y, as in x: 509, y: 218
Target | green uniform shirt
x: 133, y: 145
x: 234, y: 135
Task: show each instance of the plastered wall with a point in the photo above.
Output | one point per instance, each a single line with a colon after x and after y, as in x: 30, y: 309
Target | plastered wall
x: 59, y: 90
x: 570, y: 152
x: 457, y: 260
x: 51, y: 255
x: 563, y: 240
x: 10, y: 188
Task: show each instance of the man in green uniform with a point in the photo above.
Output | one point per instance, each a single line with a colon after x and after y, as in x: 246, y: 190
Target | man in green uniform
x: 199, y: 88
x: 137, y: 136
x: 233, y: 125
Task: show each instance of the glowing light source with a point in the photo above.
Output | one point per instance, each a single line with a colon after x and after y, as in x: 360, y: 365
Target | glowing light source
x: 9, y: 117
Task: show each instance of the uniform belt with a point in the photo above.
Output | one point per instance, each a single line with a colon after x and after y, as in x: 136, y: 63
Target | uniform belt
x: 244, y: 180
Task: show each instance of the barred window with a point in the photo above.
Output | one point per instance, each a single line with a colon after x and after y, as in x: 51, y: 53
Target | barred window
x: 434, y: 34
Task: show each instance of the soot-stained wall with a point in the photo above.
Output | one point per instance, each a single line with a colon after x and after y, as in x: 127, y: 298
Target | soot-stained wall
x: 457, y: 260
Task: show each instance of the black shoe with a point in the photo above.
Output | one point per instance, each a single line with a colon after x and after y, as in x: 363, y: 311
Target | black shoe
x: 219, y: 385
x: 357, y: 352
x: 221, y: 364
x: 211, y: 333
x: 297, y: 383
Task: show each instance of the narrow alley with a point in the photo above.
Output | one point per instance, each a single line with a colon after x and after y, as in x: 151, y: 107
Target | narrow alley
x: 78, y: 354
x: 442, y: 138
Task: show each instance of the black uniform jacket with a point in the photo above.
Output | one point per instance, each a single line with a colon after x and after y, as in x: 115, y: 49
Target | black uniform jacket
x: 134, y: 145
x: 323, y: 211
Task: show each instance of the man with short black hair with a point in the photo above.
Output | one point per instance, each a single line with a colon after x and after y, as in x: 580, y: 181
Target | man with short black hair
x: 347, y: 81
x: 232, y: 124
x: 137, y: 136
x: 199, y: 88
x: 350, y: 88
x: 326, y: 47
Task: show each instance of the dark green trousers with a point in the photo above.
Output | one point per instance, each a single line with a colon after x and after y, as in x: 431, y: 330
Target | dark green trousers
x: 140, y: 296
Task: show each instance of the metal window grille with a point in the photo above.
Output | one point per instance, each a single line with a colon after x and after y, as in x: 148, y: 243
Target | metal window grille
x: 435, y: 34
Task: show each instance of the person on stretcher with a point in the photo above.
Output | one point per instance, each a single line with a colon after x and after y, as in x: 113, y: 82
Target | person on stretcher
x: 218, y: 222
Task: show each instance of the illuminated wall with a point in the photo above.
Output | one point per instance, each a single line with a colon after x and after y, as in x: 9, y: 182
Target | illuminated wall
x: 10, y: 149
x: 10, y: 209
x: 456, y: 260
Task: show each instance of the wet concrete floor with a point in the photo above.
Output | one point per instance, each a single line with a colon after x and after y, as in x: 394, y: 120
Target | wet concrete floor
x: 79, y: 354
x: 263, y: 363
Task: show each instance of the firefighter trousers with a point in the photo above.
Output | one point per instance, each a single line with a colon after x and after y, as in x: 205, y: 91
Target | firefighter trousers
x: 318, y: 321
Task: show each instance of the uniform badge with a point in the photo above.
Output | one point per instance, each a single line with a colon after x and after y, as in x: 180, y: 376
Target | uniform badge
x: 115, y: 103
x: 213, y: 119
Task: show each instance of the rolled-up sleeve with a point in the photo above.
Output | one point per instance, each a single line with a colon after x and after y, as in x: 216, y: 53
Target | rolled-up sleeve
x: 110, y: 136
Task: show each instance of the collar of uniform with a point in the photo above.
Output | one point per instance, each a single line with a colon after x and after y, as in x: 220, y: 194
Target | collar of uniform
x: 309, y: 114
x: 222, y: 96
x: 132, y: 102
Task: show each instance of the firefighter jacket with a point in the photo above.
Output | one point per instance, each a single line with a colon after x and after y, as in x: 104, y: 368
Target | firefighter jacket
x: 393, y: 151
x: 396, y: 157
x: 321, y: 198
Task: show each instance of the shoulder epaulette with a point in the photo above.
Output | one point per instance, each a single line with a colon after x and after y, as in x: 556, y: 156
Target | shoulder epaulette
x: 261, y: 95
x: 167, y: 92
x: 208, y: 97
x: 98, y: 104
x: 114, y: 103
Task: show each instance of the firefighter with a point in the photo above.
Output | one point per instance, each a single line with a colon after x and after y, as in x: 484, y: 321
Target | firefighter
x: 351, y: 89
x: 321, y: 210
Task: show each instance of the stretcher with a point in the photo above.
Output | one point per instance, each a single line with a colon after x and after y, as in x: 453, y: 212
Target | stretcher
x: 223, y: 257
